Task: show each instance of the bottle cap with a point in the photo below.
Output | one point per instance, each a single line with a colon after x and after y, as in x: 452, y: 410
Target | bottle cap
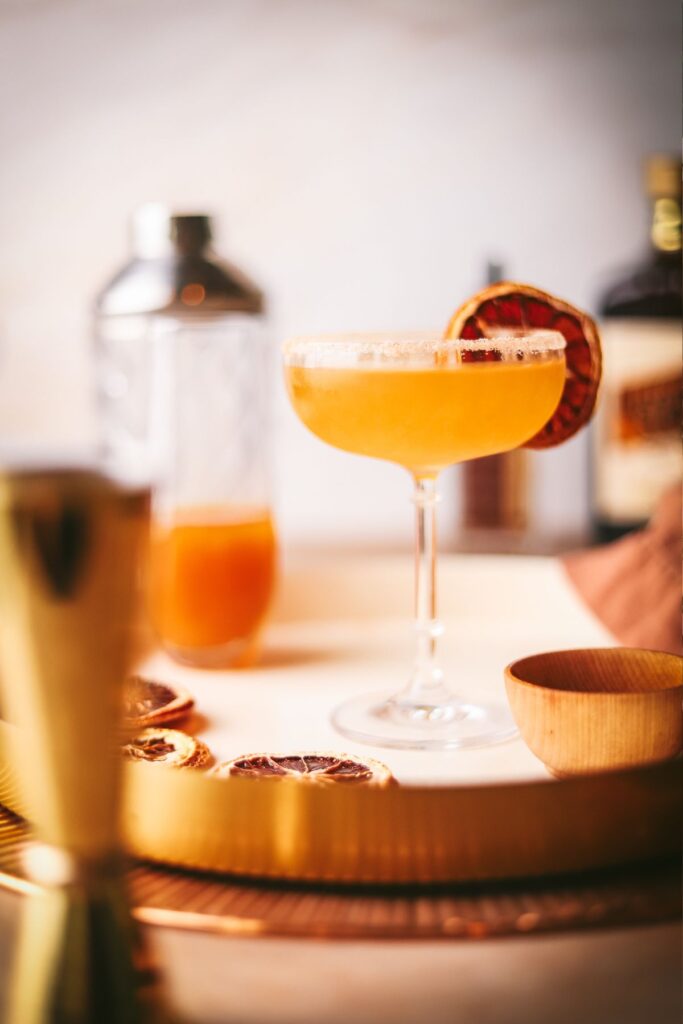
x: 190, y: 232
x: 158, y: 232
x: 663, y: 175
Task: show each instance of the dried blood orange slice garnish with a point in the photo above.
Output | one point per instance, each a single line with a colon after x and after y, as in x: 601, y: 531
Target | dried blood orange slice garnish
x: 314, y: 767
x: 520, y: 306
x: 167, y: 746
x: 147, y: 702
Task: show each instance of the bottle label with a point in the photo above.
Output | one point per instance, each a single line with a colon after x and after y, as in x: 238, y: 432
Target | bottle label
x: 637, y: 435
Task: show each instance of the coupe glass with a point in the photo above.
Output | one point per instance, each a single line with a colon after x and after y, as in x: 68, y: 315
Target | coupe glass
x: 425, y: 403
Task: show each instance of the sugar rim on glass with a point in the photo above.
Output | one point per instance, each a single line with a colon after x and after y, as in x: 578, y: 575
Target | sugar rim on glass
x: 401, y: 347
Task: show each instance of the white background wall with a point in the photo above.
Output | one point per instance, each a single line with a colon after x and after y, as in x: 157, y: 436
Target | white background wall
x: 364, y: 158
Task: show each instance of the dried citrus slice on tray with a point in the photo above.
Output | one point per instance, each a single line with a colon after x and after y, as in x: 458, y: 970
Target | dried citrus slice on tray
x: 314, y: 767
x: 167, y: 746
x: 508, y: 305
x: 147, y: 702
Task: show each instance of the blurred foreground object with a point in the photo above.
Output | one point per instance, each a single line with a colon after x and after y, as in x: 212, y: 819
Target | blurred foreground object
x: 634, y: 585
x: 71, y: 545
x: 637, y: 437
x: 183, y: 383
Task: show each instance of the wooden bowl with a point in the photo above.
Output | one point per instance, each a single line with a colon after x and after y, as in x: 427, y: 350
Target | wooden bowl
x: 598, y: 709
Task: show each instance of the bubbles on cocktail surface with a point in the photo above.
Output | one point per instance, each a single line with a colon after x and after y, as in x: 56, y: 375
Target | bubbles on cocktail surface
x: 419, y: 348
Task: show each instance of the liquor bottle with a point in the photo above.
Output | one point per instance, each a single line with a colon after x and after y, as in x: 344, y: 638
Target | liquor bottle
x: 636, y: 453
x: 495, y: 490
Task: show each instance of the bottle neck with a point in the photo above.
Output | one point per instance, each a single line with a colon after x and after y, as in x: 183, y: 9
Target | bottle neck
x: 665, y: 225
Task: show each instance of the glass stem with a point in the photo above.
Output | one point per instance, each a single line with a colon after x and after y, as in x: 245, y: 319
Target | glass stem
x: 426, y: 685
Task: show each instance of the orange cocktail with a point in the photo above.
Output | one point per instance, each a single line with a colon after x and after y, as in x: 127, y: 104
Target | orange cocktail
x: 212, y: 576
x: 427, y: 417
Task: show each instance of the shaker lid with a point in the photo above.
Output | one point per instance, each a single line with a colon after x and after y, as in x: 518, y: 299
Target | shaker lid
x: 172, y: 271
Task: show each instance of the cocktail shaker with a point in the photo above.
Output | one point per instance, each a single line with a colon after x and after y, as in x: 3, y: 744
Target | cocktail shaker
x: 184, y: 394
x: 173, y: 276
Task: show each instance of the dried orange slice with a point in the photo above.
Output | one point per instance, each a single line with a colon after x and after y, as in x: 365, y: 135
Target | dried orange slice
x: 167, y: 746
x: 511, y: 305
x: 147, y: 702
x: 314, y: 767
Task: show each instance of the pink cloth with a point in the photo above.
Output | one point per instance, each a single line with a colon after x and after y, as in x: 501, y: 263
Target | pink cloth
x: 634, y: 584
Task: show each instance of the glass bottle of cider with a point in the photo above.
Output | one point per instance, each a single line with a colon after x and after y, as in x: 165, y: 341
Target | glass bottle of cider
x: 637, y: 453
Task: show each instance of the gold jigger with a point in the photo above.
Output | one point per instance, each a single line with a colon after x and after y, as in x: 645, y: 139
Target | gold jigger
x: 71, y: 546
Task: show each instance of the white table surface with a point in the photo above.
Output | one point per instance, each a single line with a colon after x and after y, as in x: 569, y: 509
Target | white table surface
x: 343, y: 626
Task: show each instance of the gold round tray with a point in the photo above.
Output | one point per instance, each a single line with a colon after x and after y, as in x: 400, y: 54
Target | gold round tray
x: 180, y: 899
x: 402, y: 834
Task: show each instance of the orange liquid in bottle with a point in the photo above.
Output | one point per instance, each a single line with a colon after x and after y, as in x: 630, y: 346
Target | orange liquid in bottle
x: 212, y: 576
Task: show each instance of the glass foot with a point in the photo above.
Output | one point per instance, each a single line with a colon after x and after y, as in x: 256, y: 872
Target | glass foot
x: 390, y: 721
